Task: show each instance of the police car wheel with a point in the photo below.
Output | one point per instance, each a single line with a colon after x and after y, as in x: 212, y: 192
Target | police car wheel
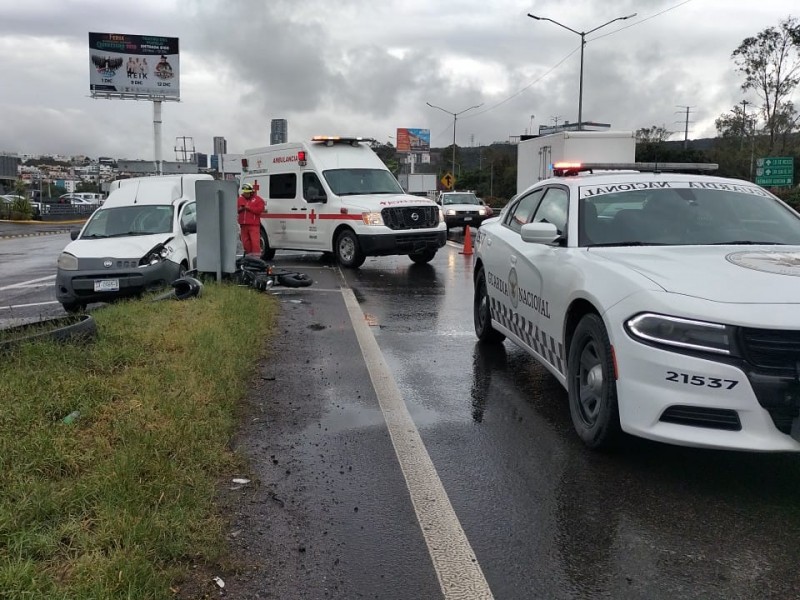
x: 481, y: 315
x: 267, y: 253
x: 348, y: 252
x: 592, y: 385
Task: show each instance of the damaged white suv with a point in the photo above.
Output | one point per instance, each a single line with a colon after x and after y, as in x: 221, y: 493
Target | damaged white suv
x: 142, y: 238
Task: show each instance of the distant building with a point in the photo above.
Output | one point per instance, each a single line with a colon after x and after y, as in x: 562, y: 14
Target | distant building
x: 279, y: 133
x: 227, y: 164
x: 220, y: 145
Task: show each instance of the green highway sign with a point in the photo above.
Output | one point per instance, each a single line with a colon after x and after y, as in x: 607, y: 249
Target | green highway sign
x: 775, y: 171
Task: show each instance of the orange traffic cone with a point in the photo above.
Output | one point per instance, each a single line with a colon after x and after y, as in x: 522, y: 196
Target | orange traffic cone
x: 467, y: 251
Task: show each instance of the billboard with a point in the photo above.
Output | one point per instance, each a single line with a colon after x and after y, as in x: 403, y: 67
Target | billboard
x: 413, y: 140
x: 133, y: 66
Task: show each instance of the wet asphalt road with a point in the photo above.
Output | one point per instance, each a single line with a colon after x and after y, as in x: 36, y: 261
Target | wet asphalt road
x: 545, y: 518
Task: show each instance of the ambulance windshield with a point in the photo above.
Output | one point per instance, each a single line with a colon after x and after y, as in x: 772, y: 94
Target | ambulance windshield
x: 355, y: 182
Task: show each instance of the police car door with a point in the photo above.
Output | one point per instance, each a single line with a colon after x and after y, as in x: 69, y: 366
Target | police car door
x: 543, y: 271
x: 286, y: 213
x: 502, y: 263
x: 319, y: 229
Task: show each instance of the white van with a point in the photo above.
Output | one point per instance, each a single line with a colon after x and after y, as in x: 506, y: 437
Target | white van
x: 142, y: 238
x: 334, y: 194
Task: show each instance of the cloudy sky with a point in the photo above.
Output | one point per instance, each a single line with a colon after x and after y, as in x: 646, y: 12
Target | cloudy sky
x: 367, y: 67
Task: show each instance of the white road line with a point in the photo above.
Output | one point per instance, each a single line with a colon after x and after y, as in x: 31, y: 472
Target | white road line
x: 26, y: 283
x: 460, y: 576
x: 28, y: 305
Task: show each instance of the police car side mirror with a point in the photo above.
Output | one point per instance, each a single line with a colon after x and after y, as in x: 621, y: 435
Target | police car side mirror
x: 540, y: 233
x: 74, y: 233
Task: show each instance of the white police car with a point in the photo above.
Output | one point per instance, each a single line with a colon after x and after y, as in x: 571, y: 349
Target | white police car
x: 666, y: 303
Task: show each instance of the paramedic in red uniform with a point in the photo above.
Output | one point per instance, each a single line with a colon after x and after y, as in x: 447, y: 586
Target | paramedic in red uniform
x: 250, y: 206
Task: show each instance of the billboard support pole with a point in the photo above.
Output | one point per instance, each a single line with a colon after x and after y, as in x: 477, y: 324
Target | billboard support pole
x: 157, y: 134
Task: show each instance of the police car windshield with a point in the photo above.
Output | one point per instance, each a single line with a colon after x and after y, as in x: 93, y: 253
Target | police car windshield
x: 354, y: 182
x: 121, y: 221
x: 683, y: 214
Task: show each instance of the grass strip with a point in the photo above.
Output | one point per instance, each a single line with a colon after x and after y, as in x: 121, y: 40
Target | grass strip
x: 119, y: 503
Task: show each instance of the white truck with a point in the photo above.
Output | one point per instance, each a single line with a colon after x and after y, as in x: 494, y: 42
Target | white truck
x: 535, y: 156
x: 333, y: 194
x: 418, y: 184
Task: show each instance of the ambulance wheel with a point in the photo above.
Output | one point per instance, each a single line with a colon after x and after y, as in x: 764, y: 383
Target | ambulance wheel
x: 267, y: 253
x: 481, y: 314
x: 423, y: 257
x: 592, y: 386
x: 347, y: 250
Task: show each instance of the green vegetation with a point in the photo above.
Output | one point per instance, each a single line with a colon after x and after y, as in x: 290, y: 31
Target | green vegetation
x: 118, y: 503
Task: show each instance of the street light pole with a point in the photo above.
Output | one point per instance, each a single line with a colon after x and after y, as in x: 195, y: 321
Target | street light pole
x: 583, y: 35
x: 455, y: 118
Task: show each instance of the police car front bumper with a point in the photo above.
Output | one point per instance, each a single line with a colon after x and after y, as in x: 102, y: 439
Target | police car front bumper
x: 402, y: 243
x: 706, y: 401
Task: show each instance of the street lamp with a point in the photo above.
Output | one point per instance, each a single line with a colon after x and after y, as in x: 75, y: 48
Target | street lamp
x: 583, y: 35
x: 455, y: 118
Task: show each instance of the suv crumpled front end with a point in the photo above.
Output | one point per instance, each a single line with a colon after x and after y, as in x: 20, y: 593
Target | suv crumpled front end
x: 81, y: 280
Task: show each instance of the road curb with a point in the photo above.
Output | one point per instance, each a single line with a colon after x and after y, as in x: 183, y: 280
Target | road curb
x: 8, y: 236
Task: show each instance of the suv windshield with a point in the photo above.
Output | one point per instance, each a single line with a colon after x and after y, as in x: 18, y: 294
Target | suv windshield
x: 460, y: 198
x: 144, y: 219
x: 689, y: 213
x: 354, y: 182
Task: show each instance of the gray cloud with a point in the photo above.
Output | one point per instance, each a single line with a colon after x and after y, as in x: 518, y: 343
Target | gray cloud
x: 362, y: 67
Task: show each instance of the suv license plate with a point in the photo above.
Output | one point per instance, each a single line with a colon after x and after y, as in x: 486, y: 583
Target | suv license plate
x: 106, y: 285
x: 467, y: 218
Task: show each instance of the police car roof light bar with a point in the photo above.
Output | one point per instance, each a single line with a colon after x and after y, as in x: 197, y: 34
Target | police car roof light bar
x: 570, y: 169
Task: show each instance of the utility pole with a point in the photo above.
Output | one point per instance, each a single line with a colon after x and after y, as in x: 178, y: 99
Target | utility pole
x: 686, y: 126
x: 582, y: 35
x: 455, y: 118
x: 744, y: 104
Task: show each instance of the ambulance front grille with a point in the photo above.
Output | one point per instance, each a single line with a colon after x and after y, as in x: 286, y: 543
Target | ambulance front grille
x: 404, y: 217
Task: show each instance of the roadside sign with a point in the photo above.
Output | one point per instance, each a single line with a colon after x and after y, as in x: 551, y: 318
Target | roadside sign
x: 775, y: 171
x: 448, y: 181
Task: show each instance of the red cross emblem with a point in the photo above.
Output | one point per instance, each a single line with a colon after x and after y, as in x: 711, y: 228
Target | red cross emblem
x: 258, y: 162
x: 313, y: 216
x: 256, y: 187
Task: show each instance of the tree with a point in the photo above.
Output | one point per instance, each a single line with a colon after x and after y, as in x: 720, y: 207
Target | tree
x: 769, y: 62
x: 654, y: 134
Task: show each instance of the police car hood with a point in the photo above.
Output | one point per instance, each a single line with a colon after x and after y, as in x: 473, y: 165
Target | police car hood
x: 729, y: 274
x: 377, y: 202
x: 117, y: 247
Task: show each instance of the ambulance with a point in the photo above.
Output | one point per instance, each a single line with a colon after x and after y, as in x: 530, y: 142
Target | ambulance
x: 335, y: 195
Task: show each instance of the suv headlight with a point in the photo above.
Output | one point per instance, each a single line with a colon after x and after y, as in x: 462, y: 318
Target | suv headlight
x: 67, y: 262
x: 681, y: 333
x: 372, y: 218
x: 450, y: 212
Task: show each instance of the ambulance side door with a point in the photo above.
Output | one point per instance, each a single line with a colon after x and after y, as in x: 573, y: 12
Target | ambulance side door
x: 319, y: 224
x: 286, y: 212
